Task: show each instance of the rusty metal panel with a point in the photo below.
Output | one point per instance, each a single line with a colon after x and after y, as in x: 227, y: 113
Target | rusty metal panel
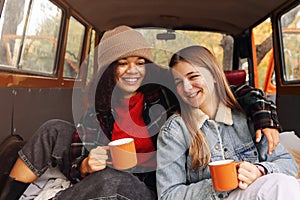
x: 6, y: 107
x: 34, y: 106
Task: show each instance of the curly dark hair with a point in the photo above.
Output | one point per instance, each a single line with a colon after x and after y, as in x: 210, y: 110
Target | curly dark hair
x: 104, y: 83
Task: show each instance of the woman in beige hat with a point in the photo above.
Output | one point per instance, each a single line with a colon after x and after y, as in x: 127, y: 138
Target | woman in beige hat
x: 129, y: 97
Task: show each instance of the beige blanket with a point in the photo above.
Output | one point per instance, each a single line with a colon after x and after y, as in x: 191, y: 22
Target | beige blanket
x: 292, y: 143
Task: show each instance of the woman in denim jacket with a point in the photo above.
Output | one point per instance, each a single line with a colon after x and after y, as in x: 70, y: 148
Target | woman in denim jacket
x: 211, y: 127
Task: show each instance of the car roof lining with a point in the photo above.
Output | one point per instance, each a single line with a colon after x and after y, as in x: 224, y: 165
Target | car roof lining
x: 230, y: 16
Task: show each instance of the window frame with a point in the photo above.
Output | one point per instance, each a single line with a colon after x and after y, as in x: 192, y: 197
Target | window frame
x: 24, y: 78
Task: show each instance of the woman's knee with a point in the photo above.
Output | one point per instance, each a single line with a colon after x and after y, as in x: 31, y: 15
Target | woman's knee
x: 52, y: 131
x: 109, y: 183
x: 271, y: 186
x: 50, y: 143
x: 123, y: 182
x: 114, y: 176
x: 278, y: 179
x: 279, y: 185
x: 55, y: 126
x: 286, y: 183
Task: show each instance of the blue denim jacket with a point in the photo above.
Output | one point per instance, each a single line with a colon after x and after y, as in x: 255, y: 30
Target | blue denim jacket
x: 175, y: 179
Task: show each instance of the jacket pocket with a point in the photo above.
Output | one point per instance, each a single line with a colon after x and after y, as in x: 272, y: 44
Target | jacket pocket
x: 247, y: 152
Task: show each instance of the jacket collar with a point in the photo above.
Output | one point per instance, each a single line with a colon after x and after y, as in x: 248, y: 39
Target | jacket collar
x: 223, y: 115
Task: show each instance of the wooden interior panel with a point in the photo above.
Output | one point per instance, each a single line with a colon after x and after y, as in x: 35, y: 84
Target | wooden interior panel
x: 6, y: 107
x: 35, y: 106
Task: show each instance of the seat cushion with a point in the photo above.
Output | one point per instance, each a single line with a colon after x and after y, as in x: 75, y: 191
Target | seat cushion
x: 236, y: 77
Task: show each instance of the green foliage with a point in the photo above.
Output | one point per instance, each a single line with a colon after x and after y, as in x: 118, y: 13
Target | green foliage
x: 164, y: 49
x: 40, y: 44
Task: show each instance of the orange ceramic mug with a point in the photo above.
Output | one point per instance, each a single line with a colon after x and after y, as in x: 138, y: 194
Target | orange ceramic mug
x: 123, y: 153
x: 224, y: 174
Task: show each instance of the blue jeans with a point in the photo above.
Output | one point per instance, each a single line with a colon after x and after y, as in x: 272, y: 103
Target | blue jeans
x: 51, y: 146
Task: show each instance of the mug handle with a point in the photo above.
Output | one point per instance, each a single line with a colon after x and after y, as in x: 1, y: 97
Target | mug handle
x: 108, y: 162
x: 237, y: 165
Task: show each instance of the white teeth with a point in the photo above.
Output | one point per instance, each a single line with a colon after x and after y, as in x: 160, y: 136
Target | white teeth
x: 131, y: 79
x: 192, y: 95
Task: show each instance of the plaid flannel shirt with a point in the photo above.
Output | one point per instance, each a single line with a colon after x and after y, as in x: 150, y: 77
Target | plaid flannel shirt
x: 261, y: 111
x: 85, y: 138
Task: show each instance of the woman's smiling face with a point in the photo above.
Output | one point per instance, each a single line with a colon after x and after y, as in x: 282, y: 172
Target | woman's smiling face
x: 194, y: 84
x: 130, y: 73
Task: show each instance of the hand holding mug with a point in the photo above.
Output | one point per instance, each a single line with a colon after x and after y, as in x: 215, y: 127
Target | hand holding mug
x: 247, y: 174
x: 96, y: 160
x: 227, y: 174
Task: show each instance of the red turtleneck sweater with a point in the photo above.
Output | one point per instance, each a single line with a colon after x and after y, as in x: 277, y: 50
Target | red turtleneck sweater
x: 129, y: 122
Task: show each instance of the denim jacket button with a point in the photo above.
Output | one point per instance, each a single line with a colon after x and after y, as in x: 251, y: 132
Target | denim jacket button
x: 217, y: 147
x: 221, y: 196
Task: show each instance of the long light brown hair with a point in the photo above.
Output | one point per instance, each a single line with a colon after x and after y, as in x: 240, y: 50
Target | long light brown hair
x: 201, y: 57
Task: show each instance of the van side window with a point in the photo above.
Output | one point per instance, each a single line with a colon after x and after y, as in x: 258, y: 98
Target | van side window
x: 290, y: 27
x: 29, y: 32
x: 91, y: 59
x: 74, y: 47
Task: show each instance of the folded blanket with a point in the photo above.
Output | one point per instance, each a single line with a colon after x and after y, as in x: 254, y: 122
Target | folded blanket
x: 46, y: 186
x: 292, y: 143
